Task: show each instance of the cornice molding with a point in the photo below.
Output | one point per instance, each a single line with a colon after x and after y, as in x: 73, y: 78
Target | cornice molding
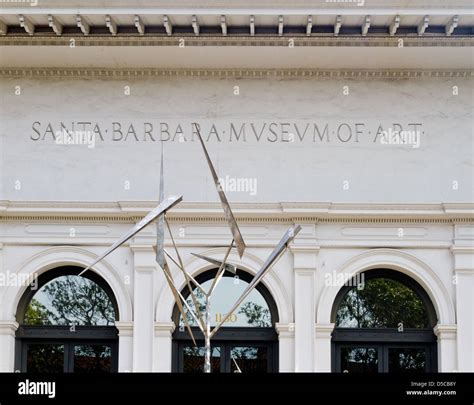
x: 232, y: 73
x: 299, y: 40
x: 237, y: 7
x: 242, y: 219
x: 284, y: 212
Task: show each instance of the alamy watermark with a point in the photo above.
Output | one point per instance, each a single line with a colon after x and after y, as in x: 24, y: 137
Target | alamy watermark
x: 9, y: 279
x: 28, y: 387
x: 32, y: 3
x: 238, y: 184
x: 344, y: 279
x: 66, y: 137
x: 359, y: 3
x: 392, y: 137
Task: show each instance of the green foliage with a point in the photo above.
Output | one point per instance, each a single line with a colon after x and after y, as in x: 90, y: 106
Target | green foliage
x: 69, y: 300
x: 38, y: 314
x: 382, y: 303
x: 256, y: 314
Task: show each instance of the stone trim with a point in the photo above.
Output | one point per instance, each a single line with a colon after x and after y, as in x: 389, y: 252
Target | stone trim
x: 323, y: 330
x: 299, y: 40
x: 279, y: 213
x: 141, y: 248
x: 164, y: 329
x: 232, y: 73
x: 462, y: 250
x: 8, y: 327
x: 246, y: 220
x: 446, y: 331
x: 295, y: 249
x: 124, y: 328
x: 285, y: 330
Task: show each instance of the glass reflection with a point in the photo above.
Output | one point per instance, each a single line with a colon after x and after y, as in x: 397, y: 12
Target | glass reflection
x: 249, y: 359
x: 193, y: 359
x: 359, y: 360
x: 92, y: 358
x: 382, y: 303
x: 407, y: 360
x: 68, y: 300
x: 253, y: 312
x: 45, y: 358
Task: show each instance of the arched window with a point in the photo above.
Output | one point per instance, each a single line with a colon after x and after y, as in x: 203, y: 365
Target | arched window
x: 247, y: 342
x: 67, y: 324
x: 384, y: 323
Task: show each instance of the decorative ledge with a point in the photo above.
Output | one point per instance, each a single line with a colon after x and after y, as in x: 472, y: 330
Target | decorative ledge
x: 164, y: 329
x: 232, y: 73
x: 445, y: 331
x: 252, y: 213
x: 8, y: 327
x: 124, y: 328
x: 285, y: 330
x: 253, y: 41
x: 323, y: 330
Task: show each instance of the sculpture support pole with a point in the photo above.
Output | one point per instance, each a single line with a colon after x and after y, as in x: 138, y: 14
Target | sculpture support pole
x: 207, y: 338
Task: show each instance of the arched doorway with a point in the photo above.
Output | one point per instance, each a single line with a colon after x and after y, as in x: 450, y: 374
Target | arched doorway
x: 67, y: 324
x: 247, y: 343
x: 383, y: 323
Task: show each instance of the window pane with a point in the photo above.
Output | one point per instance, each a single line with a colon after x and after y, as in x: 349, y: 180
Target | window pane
x: 382, y: 303
x: 92, y: 358
x: 45, y: 358
x: 359, y: 360
x: 68, y: 300
x: 406, y: 360
x: 193, y: 359
x: 249, y: 359
x: 253, y: 311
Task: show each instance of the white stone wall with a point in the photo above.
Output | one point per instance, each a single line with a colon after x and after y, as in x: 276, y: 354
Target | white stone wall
x: 436, y: 243
x: 346, y: 165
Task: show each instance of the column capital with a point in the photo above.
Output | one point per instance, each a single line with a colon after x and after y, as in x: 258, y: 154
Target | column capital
x: 323, y: 330
x: 301, y: 249
x: 124, y: 328
x: 445, y: 331
x: 145, y: 269
x: 458, y: 249
x: 164, y: 329
x: 285, y: 330
x: 463, y: 259
x: 143, y: 257
x: 304, y: 256
x: 141, y: 248
x: 8, y: 327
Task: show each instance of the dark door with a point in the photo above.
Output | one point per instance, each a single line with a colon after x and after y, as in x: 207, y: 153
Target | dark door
x: 228, y: 357
x: 384, y: 358
x: 71, y: 356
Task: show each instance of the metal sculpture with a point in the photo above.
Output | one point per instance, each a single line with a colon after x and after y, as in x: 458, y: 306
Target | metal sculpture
x: 201, y: 317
